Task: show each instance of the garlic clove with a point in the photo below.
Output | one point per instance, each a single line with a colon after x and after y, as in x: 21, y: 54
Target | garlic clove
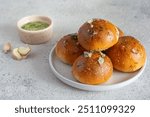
x: 24, y: 57
x: 7, y: 47
x: 24, y: 51
x: 16, y: 55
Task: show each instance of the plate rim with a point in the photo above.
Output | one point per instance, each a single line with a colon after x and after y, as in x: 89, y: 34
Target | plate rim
x: 91, y: 87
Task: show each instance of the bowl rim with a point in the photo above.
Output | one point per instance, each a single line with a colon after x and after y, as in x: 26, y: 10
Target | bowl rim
x: 30, y: 16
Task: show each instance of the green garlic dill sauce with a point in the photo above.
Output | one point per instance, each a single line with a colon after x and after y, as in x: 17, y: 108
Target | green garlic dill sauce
x: 35, y: 26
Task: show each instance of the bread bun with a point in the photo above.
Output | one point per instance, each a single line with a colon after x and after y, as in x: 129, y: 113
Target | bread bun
x: 128, y: 55
x: 92, y: 68
x: 68, y: 49
x: 98, y: 34
x: 121, y: 33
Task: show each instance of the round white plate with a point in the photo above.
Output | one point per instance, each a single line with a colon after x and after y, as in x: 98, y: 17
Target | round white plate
x: 63, y: 72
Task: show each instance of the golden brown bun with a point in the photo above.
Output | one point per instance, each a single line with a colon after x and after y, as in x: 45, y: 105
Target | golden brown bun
x: 128, y: 55
x: 97, y: 34
x: 68, y: 48
x: 121, y: 33
x: 96, y: 69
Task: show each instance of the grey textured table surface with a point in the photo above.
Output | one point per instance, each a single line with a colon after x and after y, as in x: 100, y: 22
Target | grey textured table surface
x: 33, y: 79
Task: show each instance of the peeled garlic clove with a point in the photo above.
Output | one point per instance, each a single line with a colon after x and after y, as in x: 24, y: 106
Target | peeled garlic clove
x: 16, y: 55
x: 24, y: 57
x: 24, y: 50
x: 7, y: 47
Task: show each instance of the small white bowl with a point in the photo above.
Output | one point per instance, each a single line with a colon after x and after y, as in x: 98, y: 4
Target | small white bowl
x: 35, y: 37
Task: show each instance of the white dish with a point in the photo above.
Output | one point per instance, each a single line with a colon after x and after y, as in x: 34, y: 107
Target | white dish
x: 63, y: 72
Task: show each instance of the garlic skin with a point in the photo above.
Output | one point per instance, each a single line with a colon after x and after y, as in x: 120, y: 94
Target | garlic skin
x: 7, y: 47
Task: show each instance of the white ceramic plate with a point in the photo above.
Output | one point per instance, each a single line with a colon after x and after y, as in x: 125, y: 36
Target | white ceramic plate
x: 63, y: 72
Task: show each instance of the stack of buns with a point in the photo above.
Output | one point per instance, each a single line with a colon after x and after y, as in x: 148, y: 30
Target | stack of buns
x: 97, y: 48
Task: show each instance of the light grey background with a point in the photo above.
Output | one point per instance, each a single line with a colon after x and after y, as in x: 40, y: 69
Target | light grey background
x: 33, y: 79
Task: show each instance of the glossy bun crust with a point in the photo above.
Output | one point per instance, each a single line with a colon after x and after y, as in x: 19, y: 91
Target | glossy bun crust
x: 98, y: 34
x: 128, y: 55
x: 92, y: 70
x: 68, y: 48
x: 121, y: 33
